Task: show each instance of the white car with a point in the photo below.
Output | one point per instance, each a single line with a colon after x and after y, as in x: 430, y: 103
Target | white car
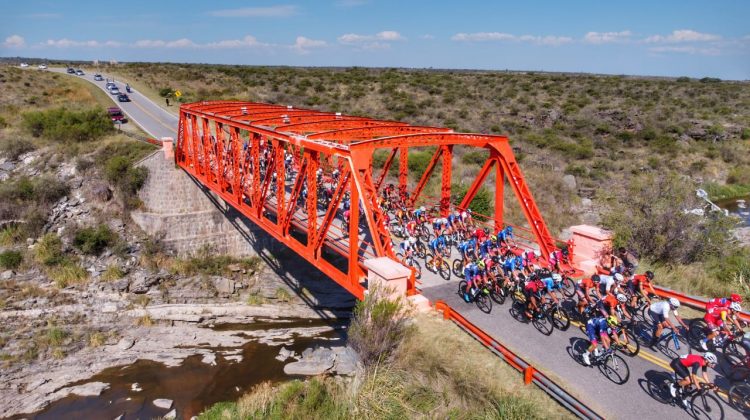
x: 42, y: 67
x: 24, y: 65
x: 114, y: 91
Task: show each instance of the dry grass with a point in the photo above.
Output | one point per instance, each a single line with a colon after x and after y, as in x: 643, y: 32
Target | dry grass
x: 144, y: 321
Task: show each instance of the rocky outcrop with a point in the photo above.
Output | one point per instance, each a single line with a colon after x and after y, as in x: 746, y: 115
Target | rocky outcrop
x: 322, y: 360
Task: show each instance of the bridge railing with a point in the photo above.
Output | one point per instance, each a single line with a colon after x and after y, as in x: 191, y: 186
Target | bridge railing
x: 530, y: 373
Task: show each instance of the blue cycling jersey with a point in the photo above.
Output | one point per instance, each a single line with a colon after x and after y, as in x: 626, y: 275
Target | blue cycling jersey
x: 434, y: 244
x: 471, y: 270
x: 441, y: 240
x: 472, y: 243
x: 509, y: 263
x: 549, y: 282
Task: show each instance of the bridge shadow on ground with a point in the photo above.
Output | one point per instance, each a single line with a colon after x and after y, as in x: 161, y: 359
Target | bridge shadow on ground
x: 309, y: 284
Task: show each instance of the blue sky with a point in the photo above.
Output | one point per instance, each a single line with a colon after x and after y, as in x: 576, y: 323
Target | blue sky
x: 657, y: 37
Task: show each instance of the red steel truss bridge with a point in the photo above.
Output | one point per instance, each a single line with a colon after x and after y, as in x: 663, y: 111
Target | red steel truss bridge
x: 268, y: 162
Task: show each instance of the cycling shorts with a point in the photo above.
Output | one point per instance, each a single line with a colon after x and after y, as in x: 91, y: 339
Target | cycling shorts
x: 591, y: 333
x: 656, y: 317
x: 713, y: 322
x: 679, y: 368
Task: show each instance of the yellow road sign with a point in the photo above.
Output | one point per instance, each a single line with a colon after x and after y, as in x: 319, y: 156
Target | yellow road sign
x: 177, y: 93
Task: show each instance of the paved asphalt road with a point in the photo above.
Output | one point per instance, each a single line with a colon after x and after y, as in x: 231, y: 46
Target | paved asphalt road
x: 152, y: 118
x: 551, y: 353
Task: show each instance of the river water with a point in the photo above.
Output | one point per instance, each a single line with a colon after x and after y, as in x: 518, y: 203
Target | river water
x: 739, y: 207
x: 193, y: 385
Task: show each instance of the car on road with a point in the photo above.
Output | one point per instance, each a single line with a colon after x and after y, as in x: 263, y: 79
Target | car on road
x: 98, y: 77
x: 80, y: 72
x: 71, y: 70
x: 116, y: 115
x: 123, y: 97
x: 24, y: 65
x: 109, y: 85
x: 114, y: 91
x: 42, y: 67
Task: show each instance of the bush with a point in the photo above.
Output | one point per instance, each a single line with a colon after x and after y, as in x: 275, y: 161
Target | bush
x: 166, y: 92
x: 482, y: 203
x: 67, y: 273
x: 93, y: 241
x: 650, y: 216
x: 379, y: 325
x: 475, y: 157
x: 418, y: 161
x: 65, y: 125
x: 11, y: 259
x: 12, y: 149
x: 120, y: 172
x: 48, y: 250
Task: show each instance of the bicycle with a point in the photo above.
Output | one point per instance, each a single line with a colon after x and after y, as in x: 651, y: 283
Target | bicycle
x: 568, y: 284
x: 739, y: 397
x: 625, y: 334
x: 700, y: 403
x: 556, y: 314
x: 610, y: 364
x: 669, y: 343
x: 443, y: 269
x: 410, y: 261
x: 478, y: 295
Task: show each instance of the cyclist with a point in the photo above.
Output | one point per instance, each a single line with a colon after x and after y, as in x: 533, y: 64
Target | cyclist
x: 609, y: 304
x: 436, y: 250
x: 725, y: 302
x: 681, y: 364
x: 454, y: 220
x: 420, y: 215
x: 609, y: 284
x: 640, y: 285
x: 505, y: 235
x: 552, y: 282
x: 659, y: 313
x: 596, y: 327
x: 583, y: 287
x: 555, y: 258
x: 484, y: 247
x: 532, y: 289
x: 467, y: 218
x: 468, y: 250
x: 470, y: 273
x: 716, y: 320
x: 407, y: 247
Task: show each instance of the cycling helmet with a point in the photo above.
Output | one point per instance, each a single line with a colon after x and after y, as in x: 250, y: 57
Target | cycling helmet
x: 735, y: 307
x: 710, y: 358
x: 537, y: 253
x: 464, y: 215
x: 735, y: 298
x: 509, y: 229
x: 486, y: 231
x: 612, y: 321
x: 422, y: 209
x: 618, y: 277
x: 674, y: 303
x: 469, y: 210
x: 557, y: 278
x: 493, y: 238
x: 412, y: 240
x: 595, y: 278
x: 650, y: 275
x: 481, y: 265
x: 622, y: 298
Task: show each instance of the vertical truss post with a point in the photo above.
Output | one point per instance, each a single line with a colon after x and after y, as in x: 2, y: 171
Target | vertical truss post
x: 280, y: 180
x: 403, y: 170
x: 179, y: 155
x: 499, y: 199
x: 194, y: 141
x: 236, y: 153
x: 255, y: 156
x: 206, y: 151
x: 312, y: 196
x: 220, y: 155
x: 353, y: 230
x: 445, y: 197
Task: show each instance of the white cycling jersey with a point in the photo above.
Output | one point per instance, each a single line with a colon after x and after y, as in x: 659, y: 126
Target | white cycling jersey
x: 662, y: 307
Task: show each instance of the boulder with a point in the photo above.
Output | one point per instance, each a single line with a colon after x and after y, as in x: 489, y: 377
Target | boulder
x: 121, y: 285
x: 7, y: 166
x: 91, y: 389
x: 163, y: 403
x: 7, y: 275
x: 172, y: 414
x: 125, y: 343
x: 142, y: 282
x: 346, y: 362
x: 101, y: 192
x: 570, y: 181
x: 225, y: 286
x: 308, y: 368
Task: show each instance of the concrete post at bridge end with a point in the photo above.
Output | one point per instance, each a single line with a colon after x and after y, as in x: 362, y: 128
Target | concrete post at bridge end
x: 394, y: 276
x: 167, y: 146
x: 590, y: 243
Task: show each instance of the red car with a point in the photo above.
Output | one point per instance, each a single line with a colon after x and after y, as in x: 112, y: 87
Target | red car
x: 116, y: 115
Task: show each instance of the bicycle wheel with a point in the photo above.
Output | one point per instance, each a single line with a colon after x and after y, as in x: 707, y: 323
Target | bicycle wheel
x: 421, y: 250
x: 462, y: 289
x: 496, y: 293
x: 568, y: 287
x: 458, y: 268
x: 424, y: 233
x: 697, y: 332
x: 659, y: 390
x: 559, y: 318
x: 633, y: 347
x: 615, y: 369
x: 484, y: 303
x: 734, y: 352
x: 739, y: 397
x: 673, y: 348
x: 417, y: 268
x: 706, y: 406
x: 444, y: 270
x: 543, y: 324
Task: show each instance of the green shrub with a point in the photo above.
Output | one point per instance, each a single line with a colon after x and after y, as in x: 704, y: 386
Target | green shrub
x: 93, y: 241
x: 475, y: 157
x: 66, y: 125
x: 166, y: 92
x: 14, y: 148
x: 48, y: 250
x: 745, y: 135
x: 10, y: 259
x: 482, y: 204
x: 67, y: 273
x: 418, y: 161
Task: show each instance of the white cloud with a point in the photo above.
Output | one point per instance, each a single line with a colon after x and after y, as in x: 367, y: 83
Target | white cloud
x: 272, y: 11
x: 380, y: 36
x: 303, y: 45
x: 686, y: 49
x: 14, y: 41
x: 501, y: 36
x: 247, y: 41
x: 683, y: 35
x: 606, y: 37
x: 69, y: 43
x: 483, y: 36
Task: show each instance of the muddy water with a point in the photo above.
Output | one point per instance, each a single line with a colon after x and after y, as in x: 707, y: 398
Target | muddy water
x: 739, y: 207
x: 193, y: 385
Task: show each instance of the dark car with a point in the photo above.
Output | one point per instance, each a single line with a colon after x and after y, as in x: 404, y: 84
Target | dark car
x: 123, y: 97
x: 116, y: 115
x: 71, y: 70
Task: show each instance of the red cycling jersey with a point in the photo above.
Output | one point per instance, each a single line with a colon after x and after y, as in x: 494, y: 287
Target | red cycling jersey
x: 610, y: 300
x: 640, y: 279
x: 693, y: 361
x: 586, y: 283
x: 717, y: 303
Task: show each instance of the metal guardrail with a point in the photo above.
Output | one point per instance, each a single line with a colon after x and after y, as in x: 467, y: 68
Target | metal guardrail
x: 530, y: 373
x: 140, y: 137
